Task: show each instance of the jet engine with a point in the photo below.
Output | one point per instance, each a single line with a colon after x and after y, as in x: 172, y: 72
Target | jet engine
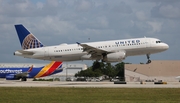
x: 14, y: 77
x: 11, y: 77
x: 114, y: 57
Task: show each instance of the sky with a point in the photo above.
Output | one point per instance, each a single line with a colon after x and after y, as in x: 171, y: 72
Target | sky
x: 55, y: 22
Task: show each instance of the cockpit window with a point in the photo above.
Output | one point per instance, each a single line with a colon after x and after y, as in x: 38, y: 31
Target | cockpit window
x: 158, y: 41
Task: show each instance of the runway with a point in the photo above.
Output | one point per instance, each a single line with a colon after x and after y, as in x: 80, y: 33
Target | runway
x: 5, y: 83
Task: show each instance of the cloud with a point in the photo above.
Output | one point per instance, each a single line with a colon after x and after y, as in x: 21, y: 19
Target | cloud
x: 169, y: 11
x: 166, y: 10
x: 122, y: 7
x: 39, y: 5
x: 141, y: 16
x: 83, y: 5
x: 156, y: 26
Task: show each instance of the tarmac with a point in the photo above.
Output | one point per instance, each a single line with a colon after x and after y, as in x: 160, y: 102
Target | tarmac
x: 102, y: 84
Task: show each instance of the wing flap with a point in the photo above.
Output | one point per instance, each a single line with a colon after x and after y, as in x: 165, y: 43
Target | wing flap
x: 91, y: 50
x: 94, y: 52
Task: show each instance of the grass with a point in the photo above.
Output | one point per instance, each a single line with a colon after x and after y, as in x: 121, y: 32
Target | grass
x: 88, y: 95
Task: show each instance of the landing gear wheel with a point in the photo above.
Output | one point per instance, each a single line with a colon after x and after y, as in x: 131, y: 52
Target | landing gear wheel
x: 148, y: 56
x: 23, y: 79
x: 149, y: 61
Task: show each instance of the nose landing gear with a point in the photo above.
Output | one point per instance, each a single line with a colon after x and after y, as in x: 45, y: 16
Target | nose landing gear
x: 148, y: 57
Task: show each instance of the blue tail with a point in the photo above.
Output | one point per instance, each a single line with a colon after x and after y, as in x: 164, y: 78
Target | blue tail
x: 27, y: 39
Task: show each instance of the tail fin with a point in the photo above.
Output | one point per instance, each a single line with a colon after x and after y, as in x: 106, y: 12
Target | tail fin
x: 49, y: 69
x: 27, y: 39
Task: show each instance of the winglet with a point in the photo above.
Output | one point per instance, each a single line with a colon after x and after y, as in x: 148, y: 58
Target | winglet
x: 30, y: 69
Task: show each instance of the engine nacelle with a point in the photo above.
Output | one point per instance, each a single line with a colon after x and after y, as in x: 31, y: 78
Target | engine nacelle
x: 11, y: 77
x: 115, y: 57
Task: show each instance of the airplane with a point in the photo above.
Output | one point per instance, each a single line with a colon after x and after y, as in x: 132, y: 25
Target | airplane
x: 22, y: 72
x: 107, y: 51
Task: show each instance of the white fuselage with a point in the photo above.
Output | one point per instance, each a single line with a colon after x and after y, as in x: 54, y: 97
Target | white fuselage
x: 74, y: 52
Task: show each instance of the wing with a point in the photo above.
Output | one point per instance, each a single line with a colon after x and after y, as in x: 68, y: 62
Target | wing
x: 95, y: 52
x: 25, y: 74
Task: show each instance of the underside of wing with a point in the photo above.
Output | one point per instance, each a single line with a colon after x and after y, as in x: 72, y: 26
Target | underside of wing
x: 24, y: 74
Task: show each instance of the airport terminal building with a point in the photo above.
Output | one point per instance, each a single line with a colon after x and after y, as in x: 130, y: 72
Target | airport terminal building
x: 165, y: 70
x: 69, y: 71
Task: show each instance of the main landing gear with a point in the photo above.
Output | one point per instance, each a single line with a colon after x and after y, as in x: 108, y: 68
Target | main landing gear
x: 149, y: 61
x: 23, y: 79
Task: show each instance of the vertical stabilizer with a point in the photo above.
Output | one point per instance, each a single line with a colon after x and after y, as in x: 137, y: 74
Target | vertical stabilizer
x: 27, y: 39
x: 49, y: 69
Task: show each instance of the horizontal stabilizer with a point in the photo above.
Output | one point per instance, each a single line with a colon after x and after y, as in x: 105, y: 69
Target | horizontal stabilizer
x: 23, y: 52
x: 26, y: 52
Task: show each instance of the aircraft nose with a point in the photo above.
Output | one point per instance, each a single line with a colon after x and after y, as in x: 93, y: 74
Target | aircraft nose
x: 165, y: 46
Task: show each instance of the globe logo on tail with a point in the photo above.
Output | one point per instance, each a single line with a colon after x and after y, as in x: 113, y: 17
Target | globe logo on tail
x: 31, y: 42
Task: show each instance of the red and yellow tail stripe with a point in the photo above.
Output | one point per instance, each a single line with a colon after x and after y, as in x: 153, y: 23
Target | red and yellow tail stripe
x: 48, y: 69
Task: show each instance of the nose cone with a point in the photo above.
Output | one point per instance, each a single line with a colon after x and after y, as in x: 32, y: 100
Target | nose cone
x: 159, y: 47
x: 164, y: 46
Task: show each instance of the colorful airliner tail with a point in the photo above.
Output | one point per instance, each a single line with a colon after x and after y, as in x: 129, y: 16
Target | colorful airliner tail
x: 49, y: 69
x: 27, y: 39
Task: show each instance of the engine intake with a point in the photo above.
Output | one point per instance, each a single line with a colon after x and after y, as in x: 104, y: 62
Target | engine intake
x: 11, y: 77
